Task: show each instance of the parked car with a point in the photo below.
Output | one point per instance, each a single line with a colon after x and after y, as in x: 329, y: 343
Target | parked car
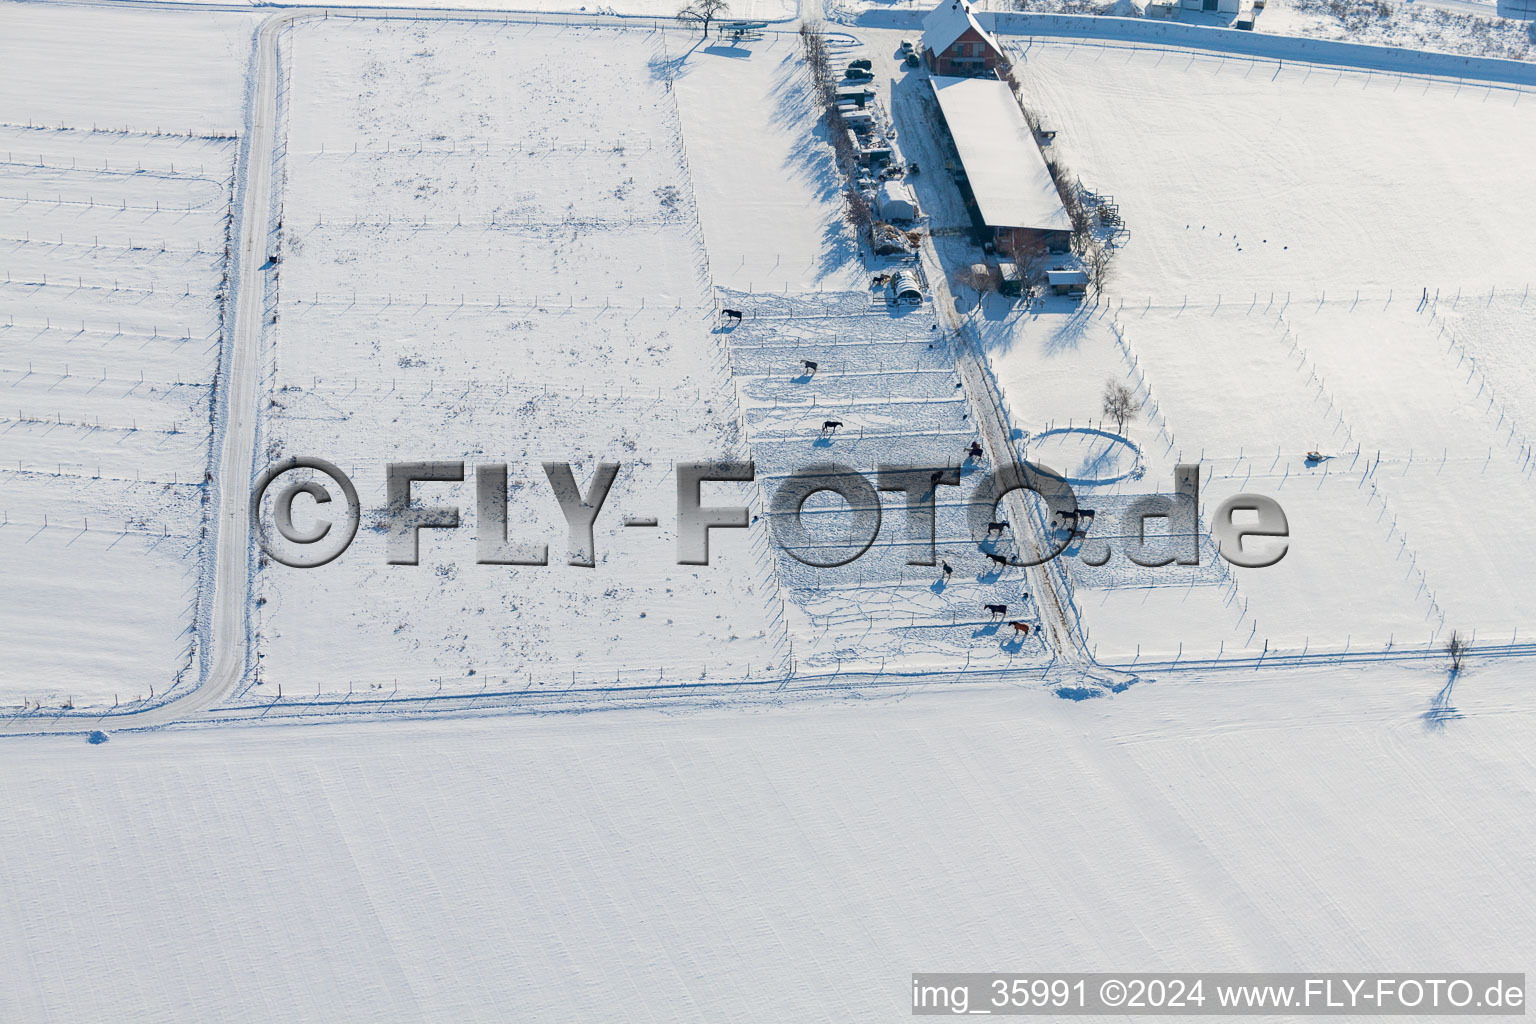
x: 859, y: 75
x: 908, y: 47
x: 862, y: 64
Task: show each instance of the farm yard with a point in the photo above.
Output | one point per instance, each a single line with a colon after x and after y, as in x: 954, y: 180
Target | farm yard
x: 1255, y: 329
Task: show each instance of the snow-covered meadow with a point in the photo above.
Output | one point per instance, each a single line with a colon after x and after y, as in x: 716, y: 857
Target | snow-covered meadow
x: 114, y: 199
x: 486, y: 257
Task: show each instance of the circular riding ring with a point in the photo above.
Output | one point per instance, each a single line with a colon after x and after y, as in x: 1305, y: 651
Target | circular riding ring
x: 1087, y: 457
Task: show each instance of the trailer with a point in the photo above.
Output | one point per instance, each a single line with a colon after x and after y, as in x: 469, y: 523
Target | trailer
x: 743, y: 30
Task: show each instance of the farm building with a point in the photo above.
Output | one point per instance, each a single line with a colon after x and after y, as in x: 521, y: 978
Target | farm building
x: 954, y: 43
x: 1218, y: 6
x: 896, y: 202
x: 1002, y: 174
x: 1067, y: 280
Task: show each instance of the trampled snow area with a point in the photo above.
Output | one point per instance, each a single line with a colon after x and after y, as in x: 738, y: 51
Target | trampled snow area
x: 114, y: 199
x: 1308, y: 268
x: 784, y: 864
x: 483, y: 255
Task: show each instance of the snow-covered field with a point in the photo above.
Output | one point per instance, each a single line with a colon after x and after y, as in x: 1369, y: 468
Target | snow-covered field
x: 114, y: 199
x: 483, y: 257
x: 770, y: 864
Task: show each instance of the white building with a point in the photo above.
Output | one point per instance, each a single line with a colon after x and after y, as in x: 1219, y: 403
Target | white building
x: 1212, y: 6
x: 1004, y: 170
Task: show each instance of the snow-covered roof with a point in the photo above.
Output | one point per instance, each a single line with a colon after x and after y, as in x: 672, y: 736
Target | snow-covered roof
x: 896, y: 202
x: 1007, y: 174
x: 948, y: 22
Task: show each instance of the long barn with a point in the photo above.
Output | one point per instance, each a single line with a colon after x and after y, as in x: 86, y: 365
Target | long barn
x: 1002, y: 172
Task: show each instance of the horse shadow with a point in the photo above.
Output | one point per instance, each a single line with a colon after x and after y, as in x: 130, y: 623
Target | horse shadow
x: 987, y: 630
x: 822, y: 442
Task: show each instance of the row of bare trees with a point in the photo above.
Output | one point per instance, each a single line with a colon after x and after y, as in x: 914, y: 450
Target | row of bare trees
x: 818, y: 61
x: 1086, y: 242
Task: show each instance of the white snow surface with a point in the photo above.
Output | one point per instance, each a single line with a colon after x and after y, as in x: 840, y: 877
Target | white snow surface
x: 779, y: 864
x: 769, y: 195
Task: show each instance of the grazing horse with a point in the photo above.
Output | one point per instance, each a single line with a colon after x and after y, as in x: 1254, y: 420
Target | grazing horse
x: 997, y: 527
x: 997, y: 611
x: 811, y: 366
x: 830, y: 426
x: 1075, y: 519
x: 947, y: 569
x: 731, y: 314
x: 1020, y: 628
x: 974, y: 451
x: 996, y: 559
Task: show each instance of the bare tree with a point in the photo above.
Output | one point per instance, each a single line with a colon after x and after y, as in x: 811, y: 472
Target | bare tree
x: 856, y: 210
x: 978, y: 277
x: 704, y: 12
x: 1456, y: 650
x: 1119, y: 403
x: 1096, y: 256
